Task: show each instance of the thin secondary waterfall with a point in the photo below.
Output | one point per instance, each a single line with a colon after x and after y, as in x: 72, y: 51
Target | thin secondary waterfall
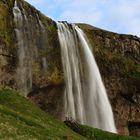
x: 24, y: 76
x: 43, y: 42
x: 31, y: 42
x: 85, y: 96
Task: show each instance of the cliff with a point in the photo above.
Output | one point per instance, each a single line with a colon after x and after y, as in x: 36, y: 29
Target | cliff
x: 117, y: 55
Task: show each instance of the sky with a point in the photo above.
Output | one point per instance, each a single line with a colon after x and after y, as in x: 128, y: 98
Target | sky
x: 121, y: 16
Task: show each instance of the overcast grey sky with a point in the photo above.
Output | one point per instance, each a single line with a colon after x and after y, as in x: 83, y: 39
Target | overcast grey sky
x: 122, y: 16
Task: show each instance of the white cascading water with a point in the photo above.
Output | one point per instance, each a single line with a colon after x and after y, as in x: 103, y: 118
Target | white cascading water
x: 43, y: 41
x: 31, y: 43
x: 85, y: 96
x: 22, y: 70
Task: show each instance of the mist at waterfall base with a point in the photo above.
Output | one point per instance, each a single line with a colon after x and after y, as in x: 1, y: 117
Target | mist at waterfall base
x: 85, y: 98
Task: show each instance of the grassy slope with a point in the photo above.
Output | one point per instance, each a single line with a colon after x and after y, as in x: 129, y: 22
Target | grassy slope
x: 103, y: 135
x: 21, y: 119
x: 96, y: 134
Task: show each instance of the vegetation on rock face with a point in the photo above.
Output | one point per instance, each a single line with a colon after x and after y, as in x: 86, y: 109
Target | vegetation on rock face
x: 53, y: 73
x: 6, y: 30
x: 9, y: 46
x: 116, y: 53
x: 118, y: 58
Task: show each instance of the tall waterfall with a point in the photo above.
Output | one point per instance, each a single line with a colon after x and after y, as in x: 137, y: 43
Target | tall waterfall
x: 85, y: 96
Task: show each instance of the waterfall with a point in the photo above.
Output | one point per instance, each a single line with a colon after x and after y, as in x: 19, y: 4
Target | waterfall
x: 43, y: 42
x: 31, y: 42
x: 85, y: 96
x: 23, y: 71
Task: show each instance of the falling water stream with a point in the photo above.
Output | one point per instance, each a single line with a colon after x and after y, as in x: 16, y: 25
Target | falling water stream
x: 31, y: 43
x: 23, y: 63
x: 85, y: 96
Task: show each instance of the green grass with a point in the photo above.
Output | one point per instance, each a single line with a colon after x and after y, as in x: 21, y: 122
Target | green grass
x: 103, y: 135
x: 22, y: 120
x: 97, y: 134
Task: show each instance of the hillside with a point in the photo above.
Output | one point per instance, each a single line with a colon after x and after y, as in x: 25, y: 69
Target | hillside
x: 117, y: 55
x: 21, y: 119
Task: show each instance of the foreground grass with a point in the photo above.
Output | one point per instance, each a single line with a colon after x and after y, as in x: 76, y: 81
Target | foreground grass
x: 96, y: 134
x: 103, y: 135
x: 22, y: 120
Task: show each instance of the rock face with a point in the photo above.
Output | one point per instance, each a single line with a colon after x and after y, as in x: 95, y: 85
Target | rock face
x: 117, y: 55
x: 37, y: 31
x: 50, y: 99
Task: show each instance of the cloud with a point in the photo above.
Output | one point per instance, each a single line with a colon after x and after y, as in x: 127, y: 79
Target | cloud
x: 124, y: 16
x: 121, y: 16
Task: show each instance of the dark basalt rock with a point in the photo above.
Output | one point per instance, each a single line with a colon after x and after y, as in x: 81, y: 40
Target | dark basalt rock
x: 134, y: 128
x: 50, y: 99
